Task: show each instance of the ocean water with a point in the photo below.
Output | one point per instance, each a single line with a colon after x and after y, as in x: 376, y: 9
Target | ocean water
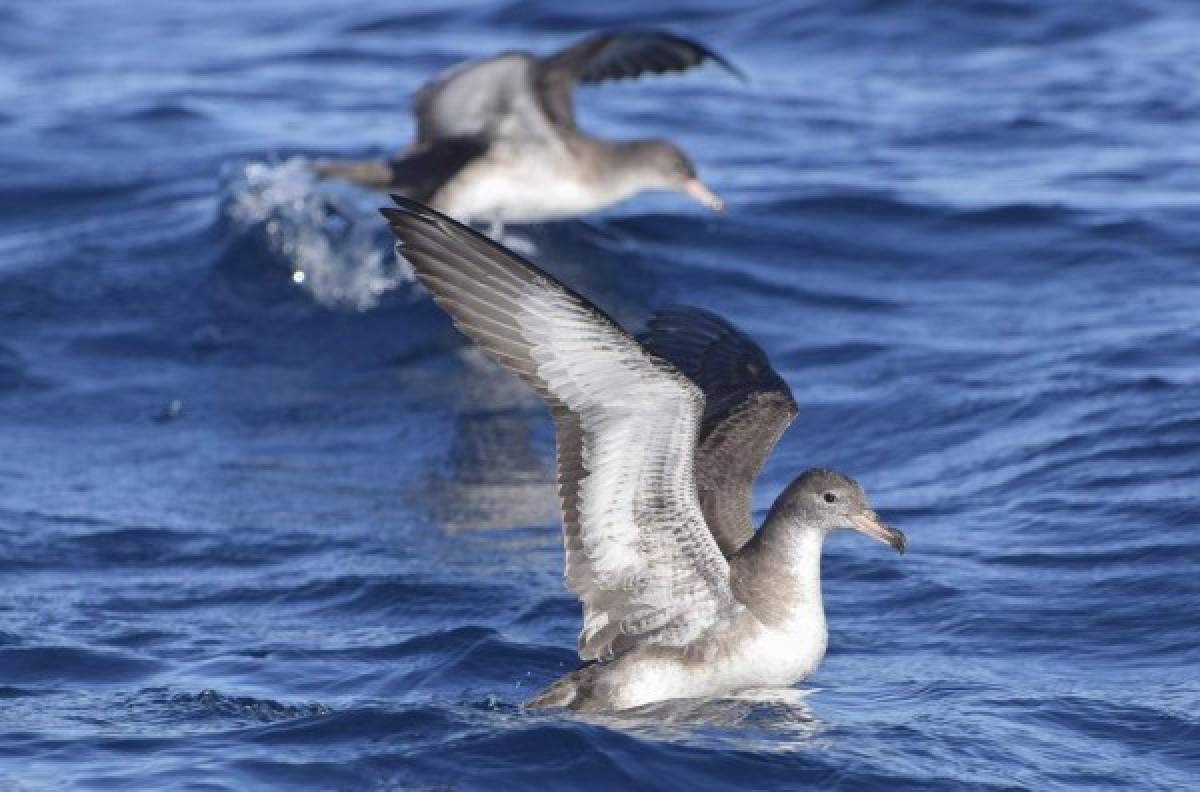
x: 267, y: 521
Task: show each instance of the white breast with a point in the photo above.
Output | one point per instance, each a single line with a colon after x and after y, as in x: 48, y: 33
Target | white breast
x: 767, y: 658
x: 782, y: 657
x: 524, y: 186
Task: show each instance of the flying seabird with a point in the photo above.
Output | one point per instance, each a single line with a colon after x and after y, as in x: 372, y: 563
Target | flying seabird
x: 658, y: 442
x: 497, y: 140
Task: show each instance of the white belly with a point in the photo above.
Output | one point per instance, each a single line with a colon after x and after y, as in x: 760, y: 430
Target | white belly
x: 768, y: 658
x: 528, y: 188
x: 782, y: 657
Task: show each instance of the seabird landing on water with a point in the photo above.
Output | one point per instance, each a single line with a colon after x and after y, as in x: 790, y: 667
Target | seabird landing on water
x: 658, y: 443
x: 497, y: 140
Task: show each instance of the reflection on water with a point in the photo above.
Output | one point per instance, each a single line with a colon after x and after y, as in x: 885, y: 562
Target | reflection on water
x: 768, y: 719
x: 499, y: 470
x: 978, y: 278
x: 496, y: 477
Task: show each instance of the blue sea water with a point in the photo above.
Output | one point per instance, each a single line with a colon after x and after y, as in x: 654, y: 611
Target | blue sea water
x: 267, y: 521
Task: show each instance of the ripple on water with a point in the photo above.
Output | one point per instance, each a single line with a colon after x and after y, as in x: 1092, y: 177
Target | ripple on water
x: 964, y: 232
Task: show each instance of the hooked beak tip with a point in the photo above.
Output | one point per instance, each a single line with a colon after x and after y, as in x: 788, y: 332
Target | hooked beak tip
x: 701, y: 194
x: 869, y: 523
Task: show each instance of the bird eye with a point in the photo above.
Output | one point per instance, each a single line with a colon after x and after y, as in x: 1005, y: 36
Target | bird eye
x: 829, y: 497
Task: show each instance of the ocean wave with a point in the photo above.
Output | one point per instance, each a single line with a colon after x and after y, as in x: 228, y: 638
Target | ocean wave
x: 330, y: 240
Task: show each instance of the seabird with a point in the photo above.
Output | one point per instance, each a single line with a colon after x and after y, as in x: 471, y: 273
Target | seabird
x: 497, y: 140
x: 658, y: 443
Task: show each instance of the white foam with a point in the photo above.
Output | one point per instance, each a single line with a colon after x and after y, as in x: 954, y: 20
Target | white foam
x: 328, y: 233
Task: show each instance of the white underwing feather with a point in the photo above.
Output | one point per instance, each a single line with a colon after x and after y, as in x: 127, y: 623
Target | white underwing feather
x: 638, y: 552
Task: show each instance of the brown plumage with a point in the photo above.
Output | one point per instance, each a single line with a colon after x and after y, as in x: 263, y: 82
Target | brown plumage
x: 666, y: 612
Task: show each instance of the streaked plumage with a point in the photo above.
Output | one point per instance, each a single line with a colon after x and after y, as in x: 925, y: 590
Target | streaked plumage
x: 666, y: 612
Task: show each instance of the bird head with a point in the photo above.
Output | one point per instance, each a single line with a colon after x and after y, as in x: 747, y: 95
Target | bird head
x: 661, y: 165
x: 830, y: 501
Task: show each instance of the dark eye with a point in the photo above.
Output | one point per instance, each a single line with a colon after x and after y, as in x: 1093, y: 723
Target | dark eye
x: 829, y: 497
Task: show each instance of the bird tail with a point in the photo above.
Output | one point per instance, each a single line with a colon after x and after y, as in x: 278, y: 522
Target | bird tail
x: 372, y: 174
x: 417, y: 173
x: 570, y: 691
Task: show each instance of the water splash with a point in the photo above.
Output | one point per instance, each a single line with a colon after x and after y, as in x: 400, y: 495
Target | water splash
x: 327, y: 233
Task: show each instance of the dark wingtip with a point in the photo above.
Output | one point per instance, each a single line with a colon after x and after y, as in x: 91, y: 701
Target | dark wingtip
x: 409, y: 206
x: 408, y: 210
x: 710, y: 54
x: 407, y: 214
x: 726, y: 65
x: 698, y: 51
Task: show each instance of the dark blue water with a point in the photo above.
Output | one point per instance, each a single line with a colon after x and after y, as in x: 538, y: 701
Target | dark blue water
x: 256, y: 533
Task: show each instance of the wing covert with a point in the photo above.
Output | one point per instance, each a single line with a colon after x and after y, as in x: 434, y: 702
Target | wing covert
x: 484, y: 100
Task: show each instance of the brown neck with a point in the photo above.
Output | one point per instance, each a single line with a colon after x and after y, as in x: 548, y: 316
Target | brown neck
x: 777, y: 575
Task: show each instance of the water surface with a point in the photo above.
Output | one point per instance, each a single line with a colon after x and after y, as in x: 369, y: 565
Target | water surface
x: 257, y: 533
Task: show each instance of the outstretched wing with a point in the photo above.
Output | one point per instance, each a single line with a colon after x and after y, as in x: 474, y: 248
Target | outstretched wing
x: 747, y: 407
x: 638, y: 553
x: 484, y: 100
x: 613, y: 56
